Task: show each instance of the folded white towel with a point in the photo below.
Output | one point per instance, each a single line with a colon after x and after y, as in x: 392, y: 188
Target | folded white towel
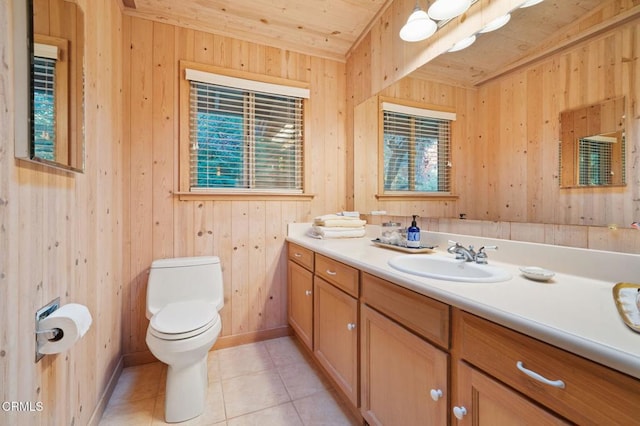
x: 334, y: 220
x: 321, y: 232
x: 335, y: 216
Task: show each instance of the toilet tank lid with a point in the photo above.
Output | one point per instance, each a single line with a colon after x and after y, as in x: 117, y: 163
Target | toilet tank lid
x: 176, y: 262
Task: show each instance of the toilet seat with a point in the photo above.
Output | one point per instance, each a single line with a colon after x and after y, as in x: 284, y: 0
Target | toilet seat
x: 182, y: 320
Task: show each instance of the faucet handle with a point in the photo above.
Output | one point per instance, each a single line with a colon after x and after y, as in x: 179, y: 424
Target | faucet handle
x: 481, y: 257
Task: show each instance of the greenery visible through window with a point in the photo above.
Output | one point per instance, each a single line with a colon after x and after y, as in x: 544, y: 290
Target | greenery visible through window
x: 596, y: 157
x: 44, y: 111
x: 416, y: 152
x: 242, y: 139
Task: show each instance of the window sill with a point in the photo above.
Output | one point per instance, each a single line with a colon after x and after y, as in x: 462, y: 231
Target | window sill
x: 240, y: 196
x: 415, y: 197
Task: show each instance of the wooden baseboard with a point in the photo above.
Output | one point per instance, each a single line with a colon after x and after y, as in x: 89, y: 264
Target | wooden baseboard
x: 146, y: 357
x: 94, y: 420
x: 255, y: 336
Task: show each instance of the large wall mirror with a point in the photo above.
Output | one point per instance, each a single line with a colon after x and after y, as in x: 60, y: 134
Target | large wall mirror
x: 592, y: 146
x: 49, y: 59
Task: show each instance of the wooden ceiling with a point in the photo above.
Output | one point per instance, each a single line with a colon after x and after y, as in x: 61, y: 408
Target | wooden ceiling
x: 325, y: 28
x: 330, y: 28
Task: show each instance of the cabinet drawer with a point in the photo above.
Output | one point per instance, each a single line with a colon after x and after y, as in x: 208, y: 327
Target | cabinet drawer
x: 301, y: 255
x: 592, y: 393
x: 342, y: 276
x: 421, y: 314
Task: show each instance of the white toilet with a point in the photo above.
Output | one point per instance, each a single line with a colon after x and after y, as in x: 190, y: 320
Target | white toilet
x: 184, y: 296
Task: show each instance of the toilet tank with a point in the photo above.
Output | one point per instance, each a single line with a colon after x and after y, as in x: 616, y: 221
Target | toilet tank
x: 182, y: 279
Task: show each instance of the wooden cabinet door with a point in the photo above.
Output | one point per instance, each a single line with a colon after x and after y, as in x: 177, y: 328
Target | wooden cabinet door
x: 336, y: 336
x: 399, y: 372
x: 481, y: 400
x: 300, y: 297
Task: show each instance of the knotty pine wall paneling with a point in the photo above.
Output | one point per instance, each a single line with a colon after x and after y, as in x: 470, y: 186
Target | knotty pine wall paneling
x: 247, y: 234
x: 61, y: 236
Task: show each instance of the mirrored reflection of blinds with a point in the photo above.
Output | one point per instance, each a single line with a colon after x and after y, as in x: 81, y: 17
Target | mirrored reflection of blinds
x: 44, y: 101
x: 245, y: 140
x: 417, y: 146
x: 595, y: 155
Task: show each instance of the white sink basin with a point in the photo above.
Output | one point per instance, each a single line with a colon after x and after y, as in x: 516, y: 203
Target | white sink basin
x: 448, y: 268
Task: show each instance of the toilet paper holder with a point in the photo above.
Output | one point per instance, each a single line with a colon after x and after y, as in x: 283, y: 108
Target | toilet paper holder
x: 46, y: 335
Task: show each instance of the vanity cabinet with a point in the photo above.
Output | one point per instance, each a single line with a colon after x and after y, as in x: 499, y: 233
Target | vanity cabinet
x: 336, y: 324
x: 300, y: 295
x: 577, y: 389
x: 404, y: 358
x: 404, y: 378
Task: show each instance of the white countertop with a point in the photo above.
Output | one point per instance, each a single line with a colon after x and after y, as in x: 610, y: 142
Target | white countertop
x: 574, y: 311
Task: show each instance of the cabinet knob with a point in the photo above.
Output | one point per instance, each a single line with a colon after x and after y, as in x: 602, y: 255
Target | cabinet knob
x: 330, y: 272
x: 436, y: 394
x: 459, y: 412
x: 351, y: 326
x: 307, y: 292
x: 297, y: 255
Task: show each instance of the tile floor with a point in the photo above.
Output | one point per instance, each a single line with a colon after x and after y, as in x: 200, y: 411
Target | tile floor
x: 265, y: 383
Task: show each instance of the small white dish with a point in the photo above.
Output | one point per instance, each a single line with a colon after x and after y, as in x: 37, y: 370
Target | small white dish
x: 537, y: 273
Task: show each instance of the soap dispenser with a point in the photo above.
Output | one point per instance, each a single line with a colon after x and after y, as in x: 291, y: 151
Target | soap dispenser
x: 413, y: 234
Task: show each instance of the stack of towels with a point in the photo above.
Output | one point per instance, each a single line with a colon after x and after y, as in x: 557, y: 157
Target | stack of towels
x: 342, y: 225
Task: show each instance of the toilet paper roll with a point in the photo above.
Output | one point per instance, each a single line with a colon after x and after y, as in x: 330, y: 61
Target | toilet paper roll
x: 73, y: 319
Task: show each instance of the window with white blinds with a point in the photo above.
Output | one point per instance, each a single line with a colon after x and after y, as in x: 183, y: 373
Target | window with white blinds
x: 44, y: 105
x: 244, y: 135
x: 416, y: 150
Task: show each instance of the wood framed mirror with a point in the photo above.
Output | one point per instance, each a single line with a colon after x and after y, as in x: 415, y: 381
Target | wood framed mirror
x: 592, y: 145
x: 49, y: 89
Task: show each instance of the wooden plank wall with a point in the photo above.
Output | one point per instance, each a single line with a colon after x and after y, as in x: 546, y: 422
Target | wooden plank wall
x: 61, y: 235
x: 248, y: 235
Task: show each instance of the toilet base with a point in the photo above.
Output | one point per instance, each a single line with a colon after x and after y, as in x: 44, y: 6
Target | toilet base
x: 186, y: 391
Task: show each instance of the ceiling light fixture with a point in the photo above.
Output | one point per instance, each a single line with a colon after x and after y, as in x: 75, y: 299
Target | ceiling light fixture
x: 463, y: 44
x: 530, y: 3
x: 448, y: 9
x: 418, y: 27
x: 496, y: 23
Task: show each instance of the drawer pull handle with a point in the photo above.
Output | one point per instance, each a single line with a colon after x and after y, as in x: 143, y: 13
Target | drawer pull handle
x: 459, y: 412
x: 538, y: 377
x: 351, y: 326
x: 297, y: 255
x: 330, y: 272
x: 307, y: 292
x: 436, y: 394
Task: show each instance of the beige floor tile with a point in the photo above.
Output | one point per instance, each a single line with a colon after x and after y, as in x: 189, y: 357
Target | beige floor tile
x: 253, y: 392
x: 134, y: 413
x: 285, y: 351
x: 322, y: 409
x: 245, y: 359
x: 281, y: 415
x: 301, y: 380
x: 213, y: 412
x: 136, y: 383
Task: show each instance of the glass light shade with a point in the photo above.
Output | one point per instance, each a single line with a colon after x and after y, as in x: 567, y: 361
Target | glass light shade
x: 448, y: 9
x: 463, y: 44
x: 418, y: 27
x: 529, y: 3
x: 497, y: 23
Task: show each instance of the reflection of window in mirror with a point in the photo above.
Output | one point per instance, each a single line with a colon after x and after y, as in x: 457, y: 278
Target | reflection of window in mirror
x: 592, y: 147
x: 50, y: 98
x: 416, y: 150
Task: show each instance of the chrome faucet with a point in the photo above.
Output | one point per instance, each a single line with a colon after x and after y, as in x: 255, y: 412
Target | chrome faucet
x: 468, y: 254
x: 462, y: 253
